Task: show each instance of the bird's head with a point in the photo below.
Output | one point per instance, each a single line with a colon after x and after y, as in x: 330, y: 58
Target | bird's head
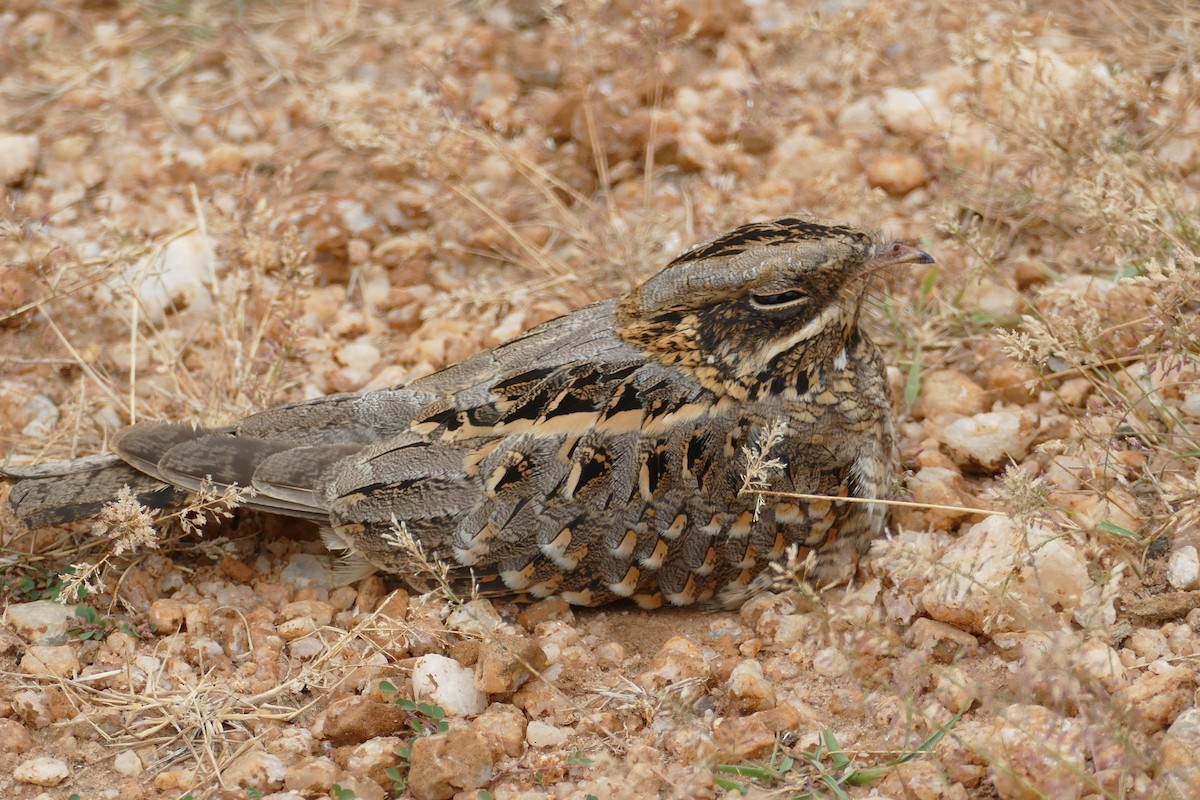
x: 764, y: 297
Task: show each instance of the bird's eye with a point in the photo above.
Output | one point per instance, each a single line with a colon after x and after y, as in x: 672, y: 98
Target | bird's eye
x: 777, y: 301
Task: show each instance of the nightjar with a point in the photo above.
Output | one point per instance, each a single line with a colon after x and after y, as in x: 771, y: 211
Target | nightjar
x: 599, y: 456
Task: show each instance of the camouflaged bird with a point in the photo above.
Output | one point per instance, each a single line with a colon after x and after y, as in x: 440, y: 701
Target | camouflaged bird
x: 601, y: 455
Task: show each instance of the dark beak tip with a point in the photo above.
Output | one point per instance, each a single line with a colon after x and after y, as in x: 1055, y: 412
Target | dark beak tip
x: 924, y: 258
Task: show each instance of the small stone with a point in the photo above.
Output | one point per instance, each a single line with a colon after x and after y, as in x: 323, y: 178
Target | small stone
x: 1036, y: 754
x: 477, y: 618
x: 447, y: 683
x: 256, y: 769
x: 741, y: 738
x: 235, y: 570
x: 990, y: 441
x: 18, y: 157
x: 1158, y: 696
x: 43, y: 771
x: 750, y: 688
x: 948, y: 391
x: 14, y: 737
x: 1191, y: 404
x: 975, y: 588
x: 1180, y: 755
x: 305, y: 571
x: 897, y: 174
x: 128, y: 763
x: 357, y: 719
x: 40, y: 622
x: 679, y: 659
x: 1183, y: 568
x: 444, y: 764
x: 502, y: 729
x: 917, y: 113
x: 944, y: 642
x: 372, y: 759
x: 539, y: 734
x: 953, y: 689
x: 319, y: 612
x: 58, y: 661
x: 991, y: 299
x: 165, y: 616
x: 1096, y: 661
x: 311, y: 776
x: 505, y: 663
x: 32, y: 707
x: 830, y: 662
x: 551, y: 609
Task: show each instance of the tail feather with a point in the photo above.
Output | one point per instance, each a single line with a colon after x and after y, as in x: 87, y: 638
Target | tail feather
x: 62, y: 492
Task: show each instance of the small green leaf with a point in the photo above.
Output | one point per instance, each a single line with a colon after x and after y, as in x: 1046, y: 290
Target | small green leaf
x: 912, y: 384
x: 1117, y: 530
x: 387, y: 688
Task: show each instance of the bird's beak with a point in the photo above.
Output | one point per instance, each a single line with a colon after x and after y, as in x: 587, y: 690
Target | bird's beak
x: 897, y: 254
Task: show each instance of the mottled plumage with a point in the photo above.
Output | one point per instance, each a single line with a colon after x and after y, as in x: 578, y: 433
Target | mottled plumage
x: 599, y: 456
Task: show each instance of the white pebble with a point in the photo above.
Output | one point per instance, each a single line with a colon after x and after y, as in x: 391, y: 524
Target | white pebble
x: 18, y: 155
x: 539, y: 734
x: 44, y: 771
x: 447, y: 683
x: 1183, y: 568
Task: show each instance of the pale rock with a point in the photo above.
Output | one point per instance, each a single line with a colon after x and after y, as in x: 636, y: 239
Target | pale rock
x: 321, y: 613
x: 753, y: 736
x: 986, y: 584
x: 18, y: 157
x: 948, y: 391
x: 1035, y: 754
x: 32, y: 708
x: 1157, y: 696
x: 802, y: 157
x: 940, y: 486
x: 1150, y: 644
x: 42, y: 771
x: 373, y: 758
x: 539, y: 734
x: 14, y: 737
x: 861, y: 115
x: 943, y: 642
x: 1096, y: 660
x: 502, y: 729
x: 1179, y: 752
x: 447, y: 763
x: 361, y: 787
x: 983, y: 296
x: 506, y: 662
x: 311, y: 776
x: 306, y: 571
x: 447, y: 683
x: 43, y: 416
x: 991, y: 440
x: 678, y: 660
x: 165, y: 615
x: 1183, y: 568
x: 954, y: 689
x: 1191, y: 405
x: 750, y: 688
x: 477, y: 618
x: 128, y: 763
x: 50, y: 661
x: 256, y: 769
x: 916, y: 113
x: 175, y: 278
x: 830, y: 662
x: 897, y: 174
x: 40, y: 622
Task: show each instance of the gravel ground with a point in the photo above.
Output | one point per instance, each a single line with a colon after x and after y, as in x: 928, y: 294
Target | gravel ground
x: 209, y: 208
